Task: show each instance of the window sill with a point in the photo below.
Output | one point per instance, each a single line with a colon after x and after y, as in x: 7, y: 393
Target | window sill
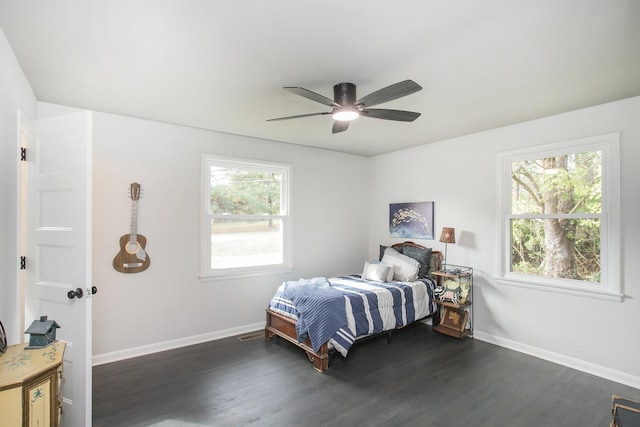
x: 244, y: 274
x: 561, y: 289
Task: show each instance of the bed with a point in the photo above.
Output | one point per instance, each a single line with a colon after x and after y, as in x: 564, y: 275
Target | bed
x: 327, y: 315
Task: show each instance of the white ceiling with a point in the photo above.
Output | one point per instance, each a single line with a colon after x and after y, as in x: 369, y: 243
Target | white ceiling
x: 221, y: 65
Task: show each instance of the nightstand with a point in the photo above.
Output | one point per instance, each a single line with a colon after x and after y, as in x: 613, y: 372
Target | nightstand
x: 455, y: 318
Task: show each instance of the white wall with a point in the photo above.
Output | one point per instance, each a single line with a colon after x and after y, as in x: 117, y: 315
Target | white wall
x: 167, y: 304
x: 460, y: 176
x: 15, y: 94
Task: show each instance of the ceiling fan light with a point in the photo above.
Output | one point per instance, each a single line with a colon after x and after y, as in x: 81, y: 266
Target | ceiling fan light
x: 345, y: 115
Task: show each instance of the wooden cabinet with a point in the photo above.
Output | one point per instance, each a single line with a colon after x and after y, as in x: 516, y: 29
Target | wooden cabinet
x: 455, y: 318
x: 31, y: 386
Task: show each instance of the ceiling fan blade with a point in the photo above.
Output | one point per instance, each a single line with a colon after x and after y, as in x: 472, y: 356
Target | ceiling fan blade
x: 389, y: 93
x: 298, y: 116
x: 339, y: 126
x: 306, y: 93
x: 398, y: 115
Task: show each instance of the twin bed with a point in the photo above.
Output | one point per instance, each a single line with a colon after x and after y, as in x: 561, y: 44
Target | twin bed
x: 326, y: 315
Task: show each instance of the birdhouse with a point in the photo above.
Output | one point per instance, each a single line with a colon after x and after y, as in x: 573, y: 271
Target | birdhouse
x: 42, y: 332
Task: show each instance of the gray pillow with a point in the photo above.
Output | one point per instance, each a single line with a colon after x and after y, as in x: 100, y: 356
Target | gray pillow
x: 423, y: 256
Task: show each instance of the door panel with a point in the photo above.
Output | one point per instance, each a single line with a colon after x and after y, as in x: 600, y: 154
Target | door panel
x: 58, y: 211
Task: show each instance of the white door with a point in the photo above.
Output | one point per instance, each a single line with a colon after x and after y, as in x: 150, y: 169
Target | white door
x: 58, y: 257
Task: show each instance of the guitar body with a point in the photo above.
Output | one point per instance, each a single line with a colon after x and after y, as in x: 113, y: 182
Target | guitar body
x: 128, y: 262
x: 132, y: 257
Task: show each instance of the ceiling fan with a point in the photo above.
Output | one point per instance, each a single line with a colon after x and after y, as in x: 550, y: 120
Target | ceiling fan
x: 345, y: 107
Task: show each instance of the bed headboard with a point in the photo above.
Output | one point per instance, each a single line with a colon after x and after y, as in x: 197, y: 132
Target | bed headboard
x: 435, y: 262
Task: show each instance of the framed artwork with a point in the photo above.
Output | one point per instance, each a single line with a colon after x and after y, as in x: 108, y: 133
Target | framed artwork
x: 411, y: 220
x: 454, y: 319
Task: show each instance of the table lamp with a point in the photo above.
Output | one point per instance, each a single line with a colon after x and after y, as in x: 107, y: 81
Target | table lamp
x: 448, y: 236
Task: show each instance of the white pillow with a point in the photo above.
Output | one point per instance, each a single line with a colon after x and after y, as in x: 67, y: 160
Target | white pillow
x: 389, y: 277
x: 377, y: 272
x: 392, y: 269
x: 406, y: 268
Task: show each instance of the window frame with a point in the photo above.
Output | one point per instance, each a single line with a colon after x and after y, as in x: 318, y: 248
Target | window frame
x: 208, y: 273
x: 610, y: 286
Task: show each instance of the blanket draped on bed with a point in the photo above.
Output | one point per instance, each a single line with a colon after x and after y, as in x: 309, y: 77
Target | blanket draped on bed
x: 321, y: 309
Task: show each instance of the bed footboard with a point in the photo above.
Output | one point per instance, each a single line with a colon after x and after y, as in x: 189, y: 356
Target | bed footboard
x: 285, y: 327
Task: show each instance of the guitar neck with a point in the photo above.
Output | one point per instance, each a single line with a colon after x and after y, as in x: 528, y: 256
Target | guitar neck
x: 133, y: 233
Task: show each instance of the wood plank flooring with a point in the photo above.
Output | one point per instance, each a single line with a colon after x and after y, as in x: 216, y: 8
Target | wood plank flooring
x: 421, y: 379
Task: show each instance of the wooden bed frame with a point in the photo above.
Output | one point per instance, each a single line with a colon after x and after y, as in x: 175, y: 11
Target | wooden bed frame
x: 285, y: 327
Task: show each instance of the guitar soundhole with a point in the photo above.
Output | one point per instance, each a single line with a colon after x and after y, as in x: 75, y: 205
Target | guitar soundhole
x: 132, y: 248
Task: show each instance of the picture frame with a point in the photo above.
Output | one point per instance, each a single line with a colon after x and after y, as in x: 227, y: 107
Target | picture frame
x: 454, y: 318
x: 411, y: 220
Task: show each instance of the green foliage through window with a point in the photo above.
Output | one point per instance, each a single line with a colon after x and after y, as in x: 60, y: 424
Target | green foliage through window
x: 246, y: 222
x: 242, y: 191
x: 556, y: 203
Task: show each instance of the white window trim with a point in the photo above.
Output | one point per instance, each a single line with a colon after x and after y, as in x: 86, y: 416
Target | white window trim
x: 208, y: 274
x: 610, y: 287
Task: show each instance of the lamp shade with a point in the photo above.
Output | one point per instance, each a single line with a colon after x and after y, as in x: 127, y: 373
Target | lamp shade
x: 448, y: 235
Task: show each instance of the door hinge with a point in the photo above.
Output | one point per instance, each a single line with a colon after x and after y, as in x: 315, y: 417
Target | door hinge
x: 23, y: 263
x: 23, y: 154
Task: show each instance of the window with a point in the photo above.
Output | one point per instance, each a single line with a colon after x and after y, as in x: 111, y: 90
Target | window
x: 559, y: 217
x: 245, y: 216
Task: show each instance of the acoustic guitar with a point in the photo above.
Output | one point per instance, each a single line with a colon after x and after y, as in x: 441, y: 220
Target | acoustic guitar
x: 133, y: 257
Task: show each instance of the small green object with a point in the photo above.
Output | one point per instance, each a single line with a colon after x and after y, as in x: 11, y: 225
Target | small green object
x: 42, y: 333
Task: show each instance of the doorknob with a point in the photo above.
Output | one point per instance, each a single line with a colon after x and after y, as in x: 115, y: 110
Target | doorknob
x: 94, y: 290
x: 73, y: 294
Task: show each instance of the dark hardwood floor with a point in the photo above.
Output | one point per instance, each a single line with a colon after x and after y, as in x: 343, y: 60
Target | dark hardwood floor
x: 421, y: 379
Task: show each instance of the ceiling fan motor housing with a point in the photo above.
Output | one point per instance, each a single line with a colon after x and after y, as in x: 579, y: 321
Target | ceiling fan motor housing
x: 344, y: 94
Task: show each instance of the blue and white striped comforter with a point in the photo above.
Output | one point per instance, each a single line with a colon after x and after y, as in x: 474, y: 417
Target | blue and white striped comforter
x: 369, y: 308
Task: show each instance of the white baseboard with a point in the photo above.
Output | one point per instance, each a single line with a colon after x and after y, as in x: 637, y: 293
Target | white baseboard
x: 581, y: 365
x: 100, y: 359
